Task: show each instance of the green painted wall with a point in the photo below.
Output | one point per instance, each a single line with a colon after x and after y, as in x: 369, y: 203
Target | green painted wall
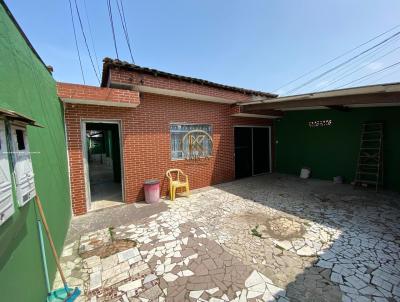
x: 333, y: 150
x: 27, y: 87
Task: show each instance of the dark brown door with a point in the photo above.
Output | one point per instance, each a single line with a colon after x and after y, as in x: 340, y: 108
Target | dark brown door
x: 243, y: 152
x: 260, y: 150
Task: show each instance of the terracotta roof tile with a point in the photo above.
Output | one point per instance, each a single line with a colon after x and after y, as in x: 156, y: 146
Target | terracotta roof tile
x: 109, y: 63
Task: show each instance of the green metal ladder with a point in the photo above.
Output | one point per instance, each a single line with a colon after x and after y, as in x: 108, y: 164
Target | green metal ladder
x: 370, y: 159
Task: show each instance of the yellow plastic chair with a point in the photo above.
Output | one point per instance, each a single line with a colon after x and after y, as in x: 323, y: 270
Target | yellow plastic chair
x: 176, y: 182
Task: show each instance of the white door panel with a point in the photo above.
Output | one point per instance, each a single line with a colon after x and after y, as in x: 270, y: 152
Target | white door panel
x: 6, y: 199
x: 24, y: 177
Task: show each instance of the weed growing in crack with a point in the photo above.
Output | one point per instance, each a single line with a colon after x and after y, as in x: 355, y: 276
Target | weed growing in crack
x: 254, y: 231
x: 111, y: 231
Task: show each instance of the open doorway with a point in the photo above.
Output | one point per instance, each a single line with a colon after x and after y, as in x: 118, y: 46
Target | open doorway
x: 252, y: 150
x: 103, y: 164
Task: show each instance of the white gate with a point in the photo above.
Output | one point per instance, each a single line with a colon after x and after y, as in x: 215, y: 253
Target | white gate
x: 6, y: 199
x: 24, y: 178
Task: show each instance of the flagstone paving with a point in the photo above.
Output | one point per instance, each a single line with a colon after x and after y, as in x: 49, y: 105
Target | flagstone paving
x: 267, y: 238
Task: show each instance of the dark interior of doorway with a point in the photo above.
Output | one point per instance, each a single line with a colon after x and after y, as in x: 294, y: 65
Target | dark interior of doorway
x: 252, y: 152
x: 104, y: 159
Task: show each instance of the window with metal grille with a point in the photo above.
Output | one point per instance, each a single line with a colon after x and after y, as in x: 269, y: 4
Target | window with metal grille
x: 190, y: 141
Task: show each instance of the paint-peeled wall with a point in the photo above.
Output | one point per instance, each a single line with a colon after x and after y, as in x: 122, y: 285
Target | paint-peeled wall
x: 333, y: 150
x: 27, y: 88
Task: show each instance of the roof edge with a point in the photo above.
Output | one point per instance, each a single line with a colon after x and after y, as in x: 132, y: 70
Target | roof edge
x: 367, y: 89
x: 13, y: 115
x: 108, y: 63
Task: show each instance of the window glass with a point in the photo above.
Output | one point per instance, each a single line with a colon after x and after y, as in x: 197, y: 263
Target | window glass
x: 190, y: 141
x: 20, y: 139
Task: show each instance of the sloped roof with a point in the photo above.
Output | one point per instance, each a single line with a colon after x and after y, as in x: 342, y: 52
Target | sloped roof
x: 18, y: 117
x: 109, y: 63
x: 359, y: 90
x: 387, y: 94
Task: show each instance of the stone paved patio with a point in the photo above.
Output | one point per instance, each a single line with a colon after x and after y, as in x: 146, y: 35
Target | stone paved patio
x: 267, y: 238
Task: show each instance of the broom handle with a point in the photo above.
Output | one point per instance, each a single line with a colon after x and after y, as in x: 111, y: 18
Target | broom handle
x: 53, y: 248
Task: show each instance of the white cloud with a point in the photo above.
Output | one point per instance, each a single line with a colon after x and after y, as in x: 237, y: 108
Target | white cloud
x: 280, y: 92
x: 322, y: 83
x: 374, y: 66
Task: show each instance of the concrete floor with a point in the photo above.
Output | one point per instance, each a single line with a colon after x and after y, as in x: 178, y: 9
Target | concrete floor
x: 104, y: 191
x: 107, y: 217
x: 105, y: 195
x: 267, y: 238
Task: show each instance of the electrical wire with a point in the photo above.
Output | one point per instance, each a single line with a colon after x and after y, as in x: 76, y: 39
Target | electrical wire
x: 369, y: 75
x: 336, y: 58
x: 127, y: 32
x: 343, y: 63
x: 366, y: 58
x: 354, y: 71
x: 76, y: 41
x: 388, y: 74
x: 112, y: 26
x: 85, y: 40
x: 121, y: 12
x: 91, y: 36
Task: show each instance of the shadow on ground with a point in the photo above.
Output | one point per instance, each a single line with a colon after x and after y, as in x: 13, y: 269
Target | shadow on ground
x: 362, y: 262
x: 112, y: 217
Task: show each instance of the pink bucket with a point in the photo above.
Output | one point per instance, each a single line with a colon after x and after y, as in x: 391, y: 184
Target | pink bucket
x: 152, y: 190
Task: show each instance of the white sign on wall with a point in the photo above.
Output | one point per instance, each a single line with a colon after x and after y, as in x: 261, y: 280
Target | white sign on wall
x: 322, y: 123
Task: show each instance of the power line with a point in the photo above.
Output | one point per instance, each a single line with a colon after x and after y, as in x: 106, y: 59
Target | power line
x: 91, y: 37
x: 336, y: 58
x: 357, y: 62
x: 112, y: 26
x: 86, y: 44
x: 354, y: 71
x: 388, y: 74
x: 76, y: 41
x: 369, y: 75
x: 121, y: 12
x: 343, y: 63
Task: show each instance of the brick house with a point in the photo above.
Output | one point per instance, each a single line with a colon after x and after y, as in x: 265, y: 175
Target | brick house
x: 134, y: 126
x: 138, y: 116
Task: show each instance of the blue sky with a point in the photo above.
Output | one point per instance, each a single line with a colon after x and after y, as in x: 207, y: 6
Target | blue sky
x: 256, y: 44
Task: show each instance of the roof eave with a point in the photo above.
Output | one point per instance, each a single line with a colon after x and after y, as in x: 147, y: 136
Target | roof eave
x: 19, y: 117
x: 110, y: 63
x: 370, y: 89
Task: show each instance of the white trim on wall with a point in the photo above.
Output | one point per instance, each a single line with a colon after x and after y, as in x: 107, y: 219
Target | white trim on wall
x: 252, y: 115
x: 183, y: 94
x: 99, y: 103
x: 83, y: 123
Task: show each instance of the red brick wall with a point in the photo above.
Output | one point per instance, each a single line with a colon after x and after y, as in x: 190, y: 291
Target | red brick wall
x: 129, y: 77
x: 146, y: 132
x: 84, y: 92
x: 146, y: 143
